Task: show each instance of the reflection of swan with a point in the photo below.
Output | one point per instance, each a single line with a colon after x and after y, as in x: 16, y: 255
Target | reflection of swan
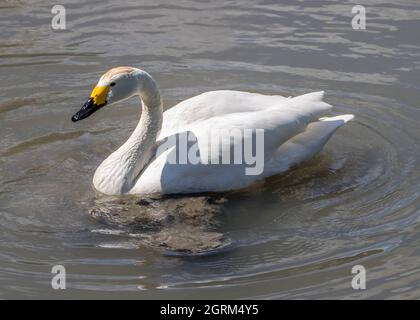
x: 293, y: 132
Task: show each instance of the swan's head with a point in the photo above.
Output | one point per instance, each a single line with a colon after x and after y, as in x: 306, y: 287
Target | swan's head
x: 115, y: 85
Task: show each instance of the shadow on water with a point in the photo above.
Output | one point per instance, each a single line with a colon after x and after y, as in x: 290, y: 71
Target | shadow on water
x: 174, y: 223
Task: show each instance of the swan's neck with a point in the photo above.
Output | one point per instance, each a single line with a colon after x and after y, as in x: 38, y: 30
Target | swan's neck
x: 118, y: 173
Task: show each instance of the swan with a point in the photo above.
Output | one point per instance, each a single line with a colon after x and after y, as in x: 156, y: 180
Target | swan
x: 295, y: 129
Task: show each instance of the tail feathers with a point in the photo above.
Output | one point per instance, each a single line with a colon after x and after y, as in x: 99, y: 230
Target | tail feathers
x: 344, y: 117
x: 312, y: 96
x: 310, y: 106
x: 306, y: 144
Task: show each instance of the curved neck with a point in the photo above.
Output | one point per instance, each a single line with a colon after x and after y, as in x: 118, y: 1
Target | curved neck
x: 118, y: 173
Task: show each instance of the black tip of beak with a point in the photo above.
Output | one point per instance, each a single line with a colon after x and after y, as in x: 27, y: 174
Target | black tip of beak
x: 88, y: 108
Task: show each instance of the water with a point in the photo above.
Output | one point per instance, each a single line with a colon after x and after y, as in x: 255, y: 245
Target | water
x: 295, y: 236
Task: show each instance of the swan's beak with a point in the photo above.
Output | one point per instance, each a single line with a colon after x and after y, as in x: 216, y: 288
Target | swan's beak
x: 97, y: 100
x: 88, y: 108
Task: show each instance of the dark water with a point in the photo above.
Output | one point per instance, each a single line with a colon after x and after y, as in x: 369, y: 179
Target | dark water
x: 295, y: 236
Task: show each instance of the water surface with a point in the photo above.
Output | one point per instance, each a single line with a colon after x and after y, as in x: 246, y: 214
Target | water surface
x: 296, y: 235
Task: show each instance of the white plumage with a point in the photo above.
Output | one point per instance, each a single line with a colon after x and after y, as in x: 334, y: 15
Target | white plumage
x: 295, y: 129
x: 288, y: 140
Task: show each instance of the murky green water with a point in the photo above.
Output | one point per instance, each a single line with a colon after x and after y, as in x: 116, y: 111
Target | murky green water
x: 295, y: 236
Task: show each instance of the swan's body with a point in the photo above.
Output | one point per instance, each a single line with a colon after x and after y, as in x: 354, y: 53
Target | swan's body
x: 294, y: 131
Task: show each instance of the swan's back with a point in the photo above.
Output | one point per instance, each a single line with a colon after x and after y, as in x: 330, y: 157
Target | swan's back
x: 214, y: 104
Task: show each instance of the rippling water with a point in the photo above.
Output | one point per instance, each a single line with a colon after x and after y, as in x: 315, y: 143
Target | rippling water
x: 295, y: 236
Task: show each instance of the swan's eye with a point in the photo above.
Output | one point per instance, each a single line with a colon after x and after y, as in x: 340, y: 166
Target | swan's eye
x: 112, y: 84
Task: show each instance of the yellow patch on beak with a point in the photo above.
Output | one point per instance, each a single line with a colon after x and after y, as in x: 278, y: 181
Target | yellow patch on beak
x: 99, y: 95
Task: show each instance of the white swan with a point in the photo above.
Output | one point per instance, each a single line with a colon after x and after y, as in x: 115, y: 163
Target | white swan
x: 293, y: 132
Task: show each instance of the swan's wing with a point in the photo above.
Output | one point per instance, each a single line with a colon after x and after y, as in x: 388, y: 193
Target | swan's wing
x: 280, y: 123
x: 304, y: 145
x: 212, y: 104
